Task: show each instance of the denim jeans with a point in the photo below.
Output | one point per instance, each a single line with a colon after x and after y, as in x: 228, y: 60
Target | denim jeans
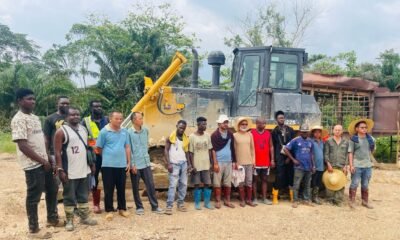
x: 299, y: 176
x: 363, y: 174
x: 177, y: 177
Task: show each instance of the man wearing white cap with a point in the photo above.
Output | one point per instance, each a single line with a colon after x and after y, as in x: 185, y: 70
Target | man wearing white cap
x: 224, y: 153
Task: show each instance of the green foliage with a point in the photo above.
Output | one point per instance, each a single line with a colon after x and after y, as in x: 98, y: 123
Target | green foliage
x: 341, y: 64
x: 143, y: 44
x: 382, y: 152
x: 386, y: 72
x: 390, y: 62
x: 6, y: 144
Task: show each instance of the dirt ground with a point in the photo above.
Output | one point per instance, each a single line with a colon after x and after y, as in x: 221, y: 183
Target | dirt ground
x: 262, y: 222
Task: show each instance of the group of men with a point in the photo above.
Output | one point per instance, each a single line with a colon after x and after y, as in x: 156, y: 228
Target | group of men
x: 216, y: 162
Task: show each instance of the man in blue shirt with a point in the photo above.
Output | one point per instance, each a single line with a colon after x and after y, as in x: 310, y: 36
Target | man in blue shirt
x: 114, y: 147
x: 304, y: 165
x: 317, y: 133
x: 138, y: 140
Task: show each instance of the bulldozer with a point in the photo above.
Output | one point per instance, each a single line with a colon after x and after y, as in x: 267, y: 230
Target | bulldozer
x: 265, y: 80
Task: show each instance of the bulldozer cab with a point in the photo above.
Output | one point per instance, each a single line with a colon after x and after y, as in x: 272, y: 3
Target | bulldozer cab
x: 260, y: 72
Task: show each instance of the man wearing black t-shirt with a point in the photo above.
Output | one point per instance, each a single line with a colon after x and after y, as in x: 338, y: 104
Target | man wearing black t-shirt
x: 54, y: 121
x: 282, y: 135
x: 51, y: 124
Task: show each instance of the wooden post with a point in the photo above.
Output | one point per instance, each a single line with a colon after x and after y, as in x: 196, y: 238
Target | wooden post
x: 339, y: 107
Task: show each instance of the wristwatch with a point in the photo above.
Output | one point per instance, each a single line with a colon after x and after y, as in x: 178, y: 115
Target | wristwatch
x: 60, y: 169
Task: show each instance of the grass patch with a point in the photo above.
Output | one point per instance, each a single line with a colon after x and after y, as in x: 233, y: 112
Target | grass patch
x: 6, y: 144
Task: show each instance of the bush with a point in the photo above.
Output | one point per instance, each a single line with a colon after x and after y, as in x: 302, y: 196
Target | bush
x: 6, y: 144
x: 382, y: 152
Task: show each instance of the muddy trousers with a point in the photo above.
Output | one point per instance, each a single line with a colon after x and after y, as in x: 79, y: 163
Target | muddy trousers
x: 76, y: 192
x: 147, y: 176
x: 299, y: 176
x: 38, y: 181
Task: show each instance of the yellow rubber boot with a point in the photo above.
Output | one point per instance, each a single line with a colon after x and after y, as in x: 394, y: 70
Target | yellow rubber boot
x: 275, y: 193
x: 291, y: 195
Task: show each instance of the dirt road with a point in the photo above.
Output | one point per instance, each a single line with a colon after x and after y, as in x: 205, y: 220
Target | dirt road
x: 261, y: 222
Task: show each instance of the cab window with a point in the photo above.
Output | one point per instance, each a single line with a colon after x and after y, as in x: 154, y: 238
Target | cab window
x: 283, y: 71
x: 249, y: 80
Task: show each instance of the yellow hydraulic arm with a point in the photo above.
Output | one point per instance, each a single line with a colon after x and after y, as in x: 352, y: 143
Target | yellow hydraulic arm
x: 151, y: 89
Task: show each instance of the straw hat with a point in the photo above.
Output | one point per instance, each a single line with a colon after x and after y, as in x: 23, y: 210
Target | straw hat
x: 323, y: 131
x: 222, y: 118
x: 352, y: 126
x: 335, y: 180
x: 241, y: 119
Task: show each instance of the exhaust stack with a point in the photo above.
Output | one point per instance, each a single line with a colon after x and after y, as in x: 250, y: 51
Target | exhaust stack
x: 216, y: 59
x: 195, y: 69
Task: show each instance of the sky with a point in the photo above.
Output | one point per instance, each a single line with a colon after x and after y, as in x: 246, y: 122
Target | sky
x: 366, y: 26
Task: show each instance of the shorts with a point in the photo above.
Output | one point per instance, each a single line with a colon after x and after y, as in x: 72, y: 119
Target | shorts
x: 201, y: 177
x: 261, y: 172
x: 248, y: 178
x: 224, y: 175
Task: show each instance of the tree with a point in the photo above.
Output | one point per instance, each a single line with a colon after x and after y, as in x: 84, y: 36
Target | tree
x: 142, y: 44
x: 266, y: 25
x: 342, y: 64
x: 390, y: 62
x: 16, y: 49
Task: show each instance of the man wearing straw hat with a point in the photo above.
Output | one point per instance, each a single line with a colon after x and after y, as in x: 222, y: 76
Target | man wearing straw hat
x: 335, y: 156
x: 360, y: 150
x: 304, y: 165
x: 317, y: 133
x: 245, y: 155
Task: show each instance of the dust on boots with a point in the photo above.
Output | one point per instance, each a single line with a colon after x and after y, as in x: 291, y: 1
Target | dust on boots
x: 83, y: 212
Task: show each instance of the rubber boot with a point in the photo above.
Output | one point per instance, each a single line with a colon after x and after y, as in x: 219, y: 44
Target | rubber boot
x: 227, y: 200
x: 69, y: 215
x: 197, y: 198
x: 96, y: 201
x: 207, y: 198
x: 241, y: 196
x: 364, y: 197
x: 352, y: 197
x: 291, y: 195
x: 249, y: 193
x: 315, y: 198
x: 217, y: 192
x: 83, y: 209
x: 275, y: 193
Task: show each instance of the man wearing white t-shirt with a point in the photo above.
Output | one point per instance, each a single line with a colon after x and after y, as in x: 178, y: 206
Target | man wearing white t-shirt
x: 31, y: 152
x: 176, y: 156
